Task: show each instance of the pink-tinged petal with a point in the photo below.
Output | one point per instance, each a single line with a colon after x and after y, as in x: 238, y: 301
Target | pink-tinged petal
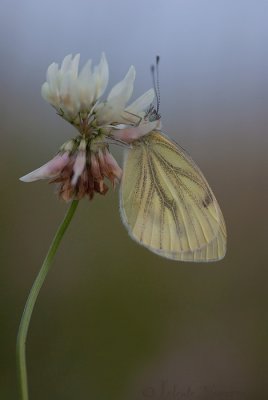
x: 112, y: 165
x: 95, y: 167
x: 101, y: 161
x: 80, y: 162
x: 49, y: 170
x: 131, y: 134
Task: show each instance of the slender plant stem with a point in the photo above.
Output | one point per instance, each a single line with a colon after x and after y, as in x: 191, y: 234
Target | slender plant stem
x: 29, y: 306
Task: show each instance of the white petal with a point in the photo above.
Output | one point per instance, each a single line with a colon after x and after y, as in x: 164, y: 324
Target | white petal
x: 122, y: 91
x: 45, y: 91
x: 109, y: 113
x: 112, y: 110
x: 66, y: 82
x: 50, y: 96
x: 101, y: 75
x: 86, y: 86
x: 74, y: 65
x: 86, y: 96
x: 53, y: 75
x: 49, y: 170
x: 66, y: 63
x: 86, y: 73
x: 142, y: 103
x: 69, y: 94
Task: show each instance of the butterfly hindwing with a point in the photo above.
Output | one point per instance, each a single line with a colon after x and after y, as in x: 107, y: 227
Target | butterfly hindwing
x: 167, y: 204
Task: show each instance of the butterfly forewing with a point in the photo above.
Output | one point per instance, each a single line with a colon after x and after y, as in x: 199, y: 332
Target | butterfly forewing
x: 166, y: 203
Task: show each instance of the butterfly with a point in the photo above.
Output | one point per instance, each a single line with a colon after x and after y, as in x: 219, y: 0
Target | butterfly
x: 166, y: 203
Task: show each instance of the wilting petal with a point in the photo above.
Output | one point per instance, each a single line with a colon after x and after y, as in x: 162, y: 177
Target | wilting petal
x: 49, y: 170
x: 112, y: 165
x: 95, y: 167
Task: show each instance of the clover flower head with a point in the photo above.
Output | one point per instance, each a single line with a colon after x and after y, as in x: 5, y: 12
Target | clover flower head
x: 82, y: 163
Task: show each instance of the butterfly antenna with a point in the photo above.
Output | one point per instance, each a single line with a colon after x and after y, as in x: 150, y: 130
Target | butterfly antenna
x: 157, y: 82
x: 155, y: 77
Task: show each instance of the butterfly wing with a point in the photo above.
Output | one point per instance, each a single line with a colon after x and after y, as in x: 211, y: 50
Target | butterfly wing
x: 166, y: 203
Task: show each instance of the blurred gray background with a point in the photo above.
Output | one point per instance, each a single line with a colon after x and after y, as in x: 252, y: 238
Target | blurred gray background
x: 113, y: 320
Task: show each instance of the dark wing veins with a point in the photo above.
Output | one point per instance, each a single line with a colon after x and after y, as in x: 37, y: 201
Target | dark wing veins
x: 164, y: 200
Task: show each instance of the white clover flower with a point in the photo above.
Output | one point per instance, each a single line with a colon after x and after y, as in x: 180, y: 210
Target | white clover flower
x: 71, y: 93
x: 83, y: 162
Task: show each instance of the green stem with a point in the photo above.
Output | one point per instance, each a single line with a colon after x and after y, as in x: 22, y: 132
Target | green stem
x: 29, y: 306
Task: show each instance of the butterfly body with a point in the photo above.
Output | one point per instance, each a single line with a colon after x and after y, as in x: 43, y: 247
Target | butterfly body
x: 166, y: 203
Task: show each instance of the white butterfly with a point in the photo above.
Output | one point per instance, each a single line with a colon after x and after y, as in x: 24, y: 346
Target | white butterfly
x: 166, y: 203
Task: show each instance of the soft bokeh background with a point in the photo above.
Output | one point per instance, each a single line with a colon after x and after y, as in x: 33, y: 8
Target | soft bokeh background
x: 114, y: 321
